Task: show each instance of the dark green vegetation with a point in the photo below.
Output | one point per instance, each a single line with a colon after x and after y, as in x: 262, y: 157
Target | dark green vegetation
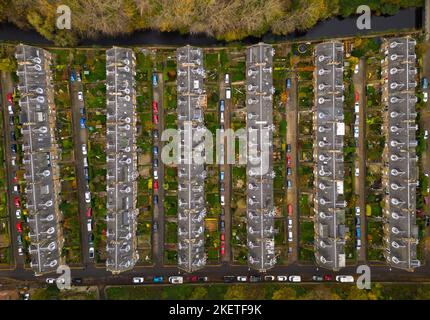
x: 270, y: 292
x: 223, y: 19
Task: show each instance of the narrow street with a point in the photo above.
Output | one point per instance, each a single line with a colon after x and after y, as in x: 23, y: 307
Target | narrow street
x: 226, y: 168
x: 10, y: 170
x: 158, y: 213
x: 292, y: 139
x: 80, y: 138
x: 360, y: 188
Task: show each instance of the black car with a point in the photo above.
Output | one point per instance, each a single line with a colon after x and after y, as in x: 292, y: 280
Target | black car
x: 289, y: 171
x: 11, y: 120
x: 222, y: 224
x: 228, y: 279
x: 288, y: 148
x: 222, y: 212
x: 91, y: 238
x: 155, y: 133
x: 155, y: 200
x: 86, y: 174
x: 13, y: 136
x: 155, y: 163
x: 155, y: 226
x: 254, y: 278
x: 77, y: 280
x: 203, y: 279
x: 14, y: 148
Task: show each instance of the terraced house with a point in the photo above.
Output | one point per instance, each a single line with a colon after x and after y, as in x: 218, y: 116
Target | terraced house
x: 38, y: 119
x: 329, y: 130
x: 400, y: 174
x: 191, y: 173
x: 121, y: 159
x: 260, y: 174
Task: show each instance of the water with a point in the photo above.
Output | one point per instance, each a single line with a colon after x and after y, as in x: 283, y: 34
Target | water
x: 335, y: 27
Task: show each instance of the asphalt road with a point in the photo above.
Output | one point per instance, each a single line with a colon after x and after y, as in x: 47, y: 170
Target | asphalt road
x: 227, y: 257
x: 359, y: 80
x: 292, y: 139
x: 80, y: 137
x: 10, y: 170
x: 158, y: 214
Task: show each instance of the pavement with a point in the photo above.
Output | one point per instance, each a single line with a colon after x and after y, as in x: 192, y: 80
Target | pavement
x: 359, y: 80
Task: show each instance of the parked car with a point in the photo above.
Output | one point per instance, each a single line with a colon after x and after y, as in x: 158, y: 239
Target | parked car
x: 155, y: 133
x: 328, y: 277
x: 357, y: 211
x: 157, y: 279
x: 87, y: 197
x: 227, y: 78
x: 20, y: 251
x: 89, y: 225
x: 317, y: 278
x: 288, y: 83
x: 222, y: 248
x: 154, y: 106
x: 84, y: 149
x: 289, y: 184
x: 72, y: 76
x: 344, y: 278
x: 193, y: 278
x: 222, y: 200
x: 228, y: 93
x: 9, y: 109
x: 154, y: 79
x: 425, y: 83
x: 138, y: 280
x: 155, y: 118
x: 222, y: 237
x: 356, y: 107
x: 19, y: 239
x: 91, y: 238
x: 155, y: 175
x: 290, y: 236
x: 82, y: 123
x: 356, y: 69
x: 50, y: 280
x: 295, y: 278
x: 269, y: 278
x: 288, y: 160
x: 229, y: 279
x: 282, y: 278
x: 357, y: 172
x: 155, y: 199
x: 288, y: 148
x: 176, y: 280
x: 9, y: 97
x: 222, y: 225
x: 221, y: 105
x: 155, y: 185
x: 14, y: 148
x: 358, y: 231
x: 255, y: 278
x: 203, y: 279
x: 155, y: 163
x: 91, y: 252
x: 357, y: 96
x: 80, y: 96
x: 18, y: 213
x: 155, y: 226
x: 242, y: 278
x: 85, y: 162
x: 289, y: 171
x: 11, y: 120
x: 88, y: 212
x: 290, y: 209
x: 221, y: 175
x: 425, y: 96
x: 19, y: 227
x: 17, y: 202
x: 155, y: 150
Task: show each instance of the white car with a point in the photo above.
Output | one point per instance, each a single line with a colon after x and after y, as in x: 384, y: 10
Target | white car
x: 87, y: 197
x: 13, y: 162
x: 60, y: 280
x: 269, y: 278
x: 357, y: 211
x: 290, y: 223
x: 242, y: 278
x: 228, y: 93
x: 222, y: 117
x: 50, y: 280
x: 138, y: 279
x: 222, y: 200
x: 425, y: 96
x: 356, y: 69
x: 357, y: 172
x: 84, y: 149
x: 176, y: 280
x: 155, y: 175
x: 20, y: 252
x: 295, y: 278
x: 80, y: 96
x: 89, y: 225
x: 282, y: 278
x: 290, y: 236
x: 356, y: 107
x: 9, y: 108
x: 85, y: 162
x: 344, y: 278
x: 227, y: 78
x: 18, y: 213
x: 91, y: 252
x: 426, y: 134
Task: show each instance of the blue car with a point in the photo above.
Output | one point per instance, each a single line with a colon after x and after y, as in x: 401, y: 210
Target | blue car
x: 358, y: 232
x: 82, y: 122
x: 72, y: 76
x: 221, y: 105
x: 288, y: 83
x: 155, y: 150
x: 154, y: 79
x: 425, y: 83
x: 221, y: 175
x: 158, y: 279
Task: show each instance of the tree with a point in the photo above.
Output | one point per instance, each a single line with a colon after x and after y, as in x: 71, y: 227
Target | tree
x: 199, y: 293
x: 284, y: 293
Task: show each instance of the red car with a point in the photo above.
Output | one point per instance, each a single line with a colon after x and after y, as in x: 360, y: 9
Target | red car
x: 89, y: 212
x: 193, y: 279
x: 328, y: 277
x: 19, y: 227
x: 222, y: 248
x: 9, y: 98
x: 17, y: 202
x: 222, y: 237
x: 288, y: 160
x: 357, y: 96
x: 155, y: 106
x: 155, y: 185
x: 155, y: 119
x: 15, y: 179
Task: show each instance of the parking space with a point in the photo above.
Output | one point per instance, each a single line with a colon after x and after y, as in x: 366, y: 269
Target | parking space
x: 121, y: 161
x: 260, y: 208
x: 329, y: 128
x: 40, y: 157
x: 191, y: 101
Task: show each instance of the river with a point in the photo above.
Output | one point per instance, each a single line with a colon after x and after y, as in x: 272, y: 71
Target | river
x: 336, y: 27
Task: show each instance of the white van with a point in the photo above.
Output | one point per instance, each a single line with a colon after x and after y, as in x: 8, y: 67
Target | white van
x: 222, y: 117
x: 228, y: 93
